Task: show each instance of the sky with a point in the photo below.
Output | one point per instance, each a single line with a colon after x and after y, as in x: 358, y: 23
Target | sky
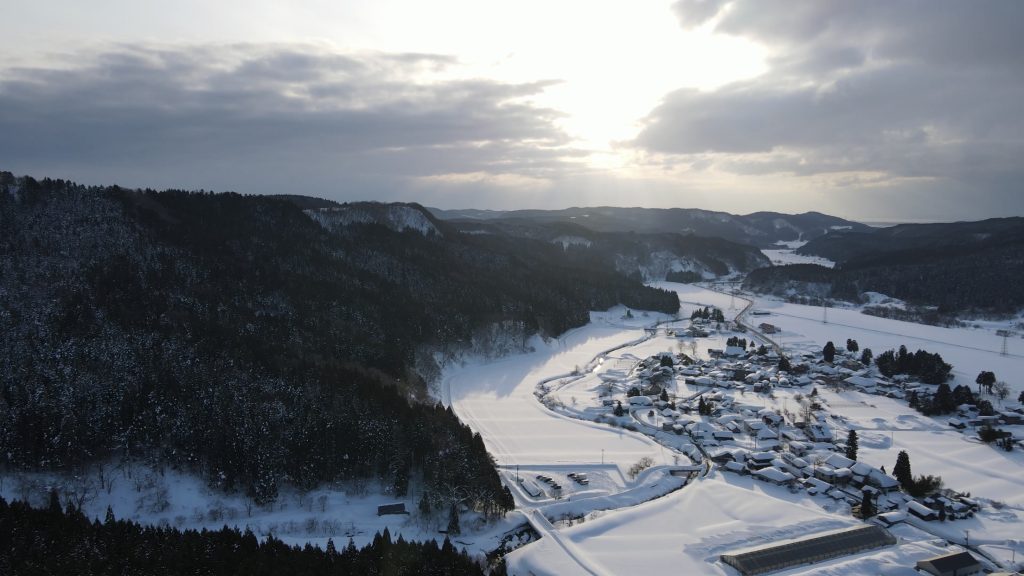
x: 877, y: 110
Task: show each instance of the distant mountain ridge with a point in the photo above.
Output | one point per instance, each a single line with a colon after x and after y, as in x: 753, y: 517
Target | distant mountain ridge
x: 916, y: 240
x: 958, y: 266
x: 652, y: 255
x: 761, y: 229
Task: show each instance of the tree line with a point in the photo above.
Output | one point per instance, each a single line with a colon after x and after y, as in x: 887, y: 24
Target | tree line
x: 53, y: 540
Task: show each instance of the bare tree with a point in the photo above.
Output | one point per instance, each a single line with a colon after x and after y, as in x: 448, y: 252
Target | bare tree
x: 1001, y: 390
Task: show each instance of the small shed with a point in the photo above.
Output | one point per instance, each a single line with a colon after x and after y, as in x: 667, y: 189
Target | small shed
x: 388, y: 509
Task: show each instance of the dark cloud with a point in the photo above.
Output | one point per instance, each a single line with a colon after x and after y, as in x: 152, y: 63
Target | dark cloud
x: 269, y: 119
x: 693, y: 13
x: 926, y: 92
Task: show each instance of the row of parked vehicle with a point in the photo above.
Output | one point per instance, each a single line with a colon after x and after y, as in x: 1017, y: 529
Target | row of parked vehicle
x: 579, y: 478
x: 550, y: 481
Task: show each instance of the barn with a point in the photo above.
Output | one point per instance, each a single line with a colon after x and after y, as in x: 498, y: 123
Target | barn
x: 809, y: 550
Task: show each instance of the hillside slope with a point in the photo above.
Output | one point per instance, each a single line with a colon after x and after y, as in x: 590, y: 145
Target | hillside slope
x: 242, y: 339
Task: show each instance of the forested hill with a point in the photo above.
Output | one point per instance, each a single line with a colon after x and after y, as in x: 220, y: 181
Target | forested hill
x: 654, y: 255
x: 958, y: 267
x: 241, y: 338
x: 761, y: 229
x: 910, y: 242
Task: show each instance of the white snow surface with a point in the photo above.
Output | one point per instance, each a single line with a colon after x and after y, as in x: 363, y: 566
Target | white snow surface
x: 785, y: 254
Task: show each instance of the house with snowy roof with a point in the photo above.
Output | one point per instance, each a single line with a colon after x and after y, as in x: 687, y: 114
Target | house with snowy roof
x: 774, y: 476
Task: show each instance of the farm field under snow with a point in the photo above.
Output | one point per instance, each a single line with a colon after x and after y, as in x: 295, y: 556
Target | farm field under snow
x: 497, y: 400
x: 785, y: 255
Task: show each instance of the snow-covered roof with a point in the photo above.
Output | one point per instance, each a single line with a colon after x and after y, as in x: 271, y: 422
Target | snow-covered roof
x: 734, y: 466
x: 919, y: 508
x: 817, y: 485
x: 839, y: 461
x: 861, y: 469
x: 774, y: 474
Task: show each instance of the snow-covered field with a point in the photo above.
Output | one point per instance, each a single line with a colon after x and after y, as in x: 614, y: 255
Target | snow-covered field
x: 497, y: 400
x: 785, y: 254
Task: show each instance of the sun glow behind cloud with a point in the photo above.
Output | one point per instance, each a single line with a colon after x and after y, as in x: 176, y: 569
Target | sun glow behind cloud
x: 612, y: 62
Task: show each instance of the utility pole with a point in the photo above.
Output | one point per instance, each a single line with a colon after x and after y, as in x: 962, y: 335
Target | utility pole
x: 1005, y: 334
x: 602, y: 456
x: 824, y: 311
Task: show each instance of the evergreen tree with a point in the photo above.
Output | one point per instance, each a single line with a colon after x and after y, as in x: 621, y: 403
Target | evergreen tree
x: 453, y: 520
x: 618, y: 411
x: 784, y: 365
x: 867, y: 505
x: 829, y: 352
x: 985, y: 380
x: 851, y: 445
x: 901, y: 471
x: 424, y: 504
x: 866, y: 356
x: 851, y: 345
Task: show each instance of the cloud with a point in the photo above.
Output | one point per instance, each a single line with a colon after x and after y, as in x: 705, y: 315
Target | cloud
x: 694, y: 13
x: 271, y: 118
x: 927, y: 93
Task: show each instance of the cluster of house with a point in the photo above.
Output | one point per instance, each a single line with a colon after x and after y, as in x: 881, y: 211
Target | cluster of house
x: 753, y: 440
x: 967, y: 415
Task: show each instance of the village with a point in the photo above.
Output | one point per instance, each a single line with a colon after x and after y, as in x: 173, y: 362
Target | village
x: 724, y: 399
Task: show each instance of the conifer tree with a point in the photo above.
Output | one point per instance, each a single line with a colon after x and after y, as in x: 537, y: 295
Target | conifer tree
x: 453, y: 520
x: 867, y: 505
x: 829, y: 352
x: 901, y: 471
